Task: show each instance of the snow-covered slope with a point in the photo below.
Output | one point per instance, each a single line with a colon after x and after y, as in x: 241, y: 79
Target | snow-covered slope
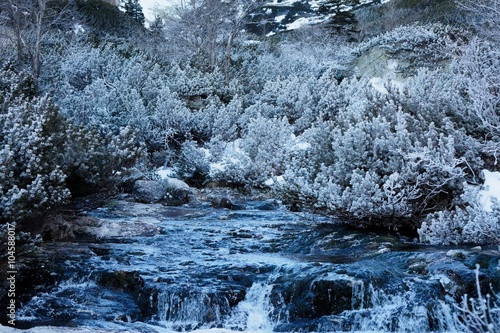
x: 286, y: 15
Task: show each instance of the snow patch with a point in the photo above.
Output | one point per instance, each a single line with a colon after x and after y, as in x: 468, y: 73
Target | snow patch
x: 177, y: 184
x: 491, y: 189
x: 279, y: 18
x: 302, y: 146
x: 78, y: 28
x: 302, y: 21
x: 270, y: 182
x: 392, y: 64
x: 379, y: 85
x: 217, y: 167
x: 165, y: 173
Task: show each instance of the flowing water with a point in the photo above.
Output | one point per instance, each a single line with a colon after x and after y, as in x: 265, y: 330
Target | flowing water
x: 172, y: 269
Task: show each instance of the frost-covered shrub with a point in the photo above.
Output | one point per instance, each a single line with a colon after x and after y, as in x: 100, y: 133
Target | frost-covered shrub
x: 44, y: 156
x: 278, y: 64
x: 113, y: 86
x: 30, y: 180
x: 193, y: 162
x: 219, y: 120
x: 96, y: 159
x: 467, y: 222
x: 477, y: 78
x: 376, y: 156
x: 477, y: 71
x: 266, y: 142
x: 258, y: 155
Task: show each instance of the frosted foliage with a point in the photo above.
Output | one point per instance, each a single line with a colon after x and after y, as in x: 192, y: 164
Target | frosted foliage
x: 478, y: 68
x: 382, y: 155
x: 193, y: 160
x: 467, y: 223
x: 220, y: 120
x: 477, y: 74
x: 103, y: 87
x: 29, y: 181
x: 43, y: 153
x: 294, y: 97
x: 479, y: 314
x: 260, y: 153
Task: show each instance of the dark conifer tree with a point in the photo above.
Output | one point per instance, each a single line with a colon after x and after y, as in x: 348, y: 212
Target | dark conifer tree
x: 134, y: 9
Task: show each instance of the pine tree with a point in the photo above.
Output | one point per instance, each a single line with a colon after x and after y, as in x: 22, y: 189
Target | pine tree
x: 134, y: 9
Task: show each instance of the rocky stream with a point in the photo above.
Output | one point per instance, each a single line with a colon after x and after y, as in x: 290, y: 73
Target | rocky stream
x: 258, y: 267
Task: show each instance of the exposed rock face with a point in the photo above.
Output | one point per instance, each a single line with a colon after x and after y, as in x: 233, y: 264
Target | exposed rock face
x: 170, y: 191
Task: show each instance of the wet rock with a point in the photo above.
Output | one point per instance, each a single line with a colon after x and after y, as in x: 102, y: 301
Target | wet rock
x: 418, y: 265
x: 332, y: 296
x: 176, y: 192
x: 102, y: 229
x: 222, y: 203
x: 457, y: 254
x: 269, y: 205
x: 57, y: 229
x: 455, y: 279
x: 170, y: 191
x: 149, y: 191
x: 237, y: 207
x: 121, y: 280
x: 100, y: 250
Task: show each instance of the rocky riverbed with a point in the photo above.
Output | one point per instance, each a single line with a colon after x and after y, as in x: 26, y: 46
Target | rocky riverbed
x: 238, y: 265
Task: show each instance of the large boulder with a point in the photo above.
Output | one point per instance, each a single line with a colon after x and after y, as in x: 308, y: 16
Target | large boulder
x: 149, y: 191
x: 169, y: 191
x: 176, y: 193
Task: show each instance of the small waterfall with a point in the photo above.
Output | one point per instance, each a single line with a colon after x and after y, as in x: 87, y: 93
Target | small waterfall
x: 358, y: 294
x: 400, y: 312
x: 179, y: 311
x: 403, y: 311
x: 254, y: 312
x: 187, y: 310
